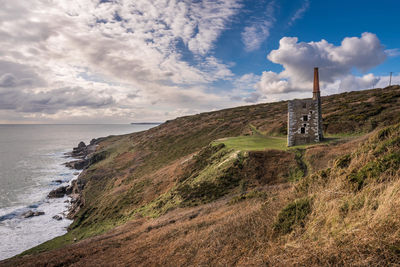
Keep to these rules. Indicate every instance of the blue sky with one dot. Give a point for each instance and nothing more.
(96, 61)
(327, 20)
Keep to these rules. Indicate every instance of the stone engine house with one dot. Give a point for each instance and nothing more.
(305, 118)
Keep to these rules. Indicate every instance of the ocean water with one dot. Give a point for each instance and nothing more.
(31, 159)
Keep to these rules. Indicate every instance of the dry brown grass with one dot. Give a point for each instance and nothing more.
(323, 156)
(348, 225)
(215, 234)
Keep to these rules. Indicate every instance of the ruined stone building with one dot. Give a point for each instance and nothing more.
(305, 118)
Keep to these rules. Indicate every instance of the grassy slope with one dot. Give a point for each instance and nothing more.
(254, 142)
(354, 208)
(160, 171)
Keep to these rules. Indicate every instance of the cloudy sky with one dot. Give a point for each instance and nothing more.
(121, 61)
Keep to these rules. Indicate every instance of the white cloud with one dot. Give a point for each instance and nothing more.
(353, 83)
(244, 88)
(131, 47)
(300, 12)
(384, 80)
(393, 52)
(253, 36)
(335, 62)
(210, 18)
(259, 30)
(272, 83)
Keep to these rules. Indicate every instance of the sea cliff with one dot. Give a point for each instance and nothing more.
(222, 188)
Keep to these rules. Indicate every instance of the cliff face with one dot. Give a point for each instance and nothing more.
(173, 195)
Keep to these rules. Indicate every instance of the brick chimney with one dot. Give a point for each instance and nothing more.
(316, 93)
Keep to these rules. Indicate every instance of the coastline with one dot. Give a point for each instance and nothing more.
(57, 208)
(27, 225)
(34, 165)
(83, 155)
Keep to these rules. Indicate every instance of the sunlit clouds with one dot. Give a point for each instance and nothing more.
(124, 60)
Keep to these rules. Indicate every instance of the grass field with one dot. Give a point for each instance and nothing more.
(260, 142)
(254, 142)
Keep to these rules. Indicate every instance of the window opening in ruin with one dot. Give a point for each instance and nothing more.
(305, 118)
(304, 105)
(303, 130)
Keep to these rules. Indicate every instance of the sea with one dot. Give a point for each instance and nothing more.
(31, 162)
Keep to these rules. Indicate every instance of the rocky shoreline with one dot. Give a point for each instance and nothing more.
(83, 155)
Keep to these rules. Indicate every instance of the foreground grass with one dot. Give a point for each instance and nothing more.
(115, 188)
(73, 236)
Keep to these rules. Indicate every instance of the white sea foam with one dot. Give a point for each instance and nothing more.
(31, 158)
(18, 233)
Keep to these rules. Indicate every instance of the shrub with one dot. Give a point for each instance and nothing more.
(97, 157)
(295, 213)
(207, 191)
(373, 169)
(343, 161)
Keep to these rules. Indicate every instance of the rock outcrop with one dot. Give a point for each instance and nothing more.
(31, 213)
(58, 192)
(82, 153)
(77, 164)
(77, 200)
(85, 156)
(57, 217)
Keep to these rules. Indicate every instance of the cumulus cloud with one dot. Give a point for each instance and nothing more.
(335, 62)
(259, 30)
(271, 82)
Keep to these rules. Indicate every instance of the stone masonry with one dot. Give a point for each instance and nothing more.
(305, 118)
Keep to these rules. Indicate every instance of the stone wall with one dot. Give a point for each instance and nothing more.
(304, 123)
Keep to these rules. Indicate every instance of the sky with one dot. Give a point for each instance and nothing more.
(122, 61)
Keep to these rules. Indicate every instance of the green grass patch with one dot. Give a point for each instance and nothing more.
(295, 213)
(256, 131)
(301, 169)
(254, 142)
(258, 142)
(213, 174)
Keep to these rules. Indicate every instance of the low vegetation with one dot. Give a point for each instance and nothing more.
(293, 214)
(222, 188)
(254, 142)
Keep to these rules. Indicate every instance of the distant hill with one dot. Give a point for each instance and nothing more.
(145, 123)
(221, 188)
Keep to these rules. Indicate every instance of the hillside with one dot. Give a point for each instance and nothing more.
(221, 188)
